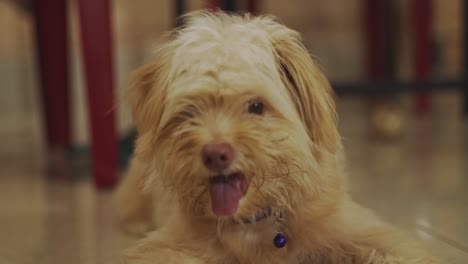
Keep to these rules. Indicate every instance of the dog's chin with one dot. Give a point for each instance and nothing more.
(226, 190)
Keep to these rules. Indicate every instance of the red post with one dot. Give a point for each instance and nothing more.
(214, 4)
(52, 43)
(421, 18)
(252, 6)
(375, 39)
(95, 21)
(375, 43)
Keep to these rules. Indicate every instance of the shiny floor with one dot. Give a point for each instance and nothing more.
(54, 215)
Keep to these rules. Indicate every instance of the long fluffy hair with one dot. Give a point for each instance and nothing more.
(279, 159)
(196, 90)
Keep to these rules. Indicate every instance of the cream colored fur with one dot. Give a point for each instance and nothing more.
(195, 91)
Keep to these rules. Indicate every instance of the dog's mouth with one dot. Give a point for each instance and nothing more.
(226, 192)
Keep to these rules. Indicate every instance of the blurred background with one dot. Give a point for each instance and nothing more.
(398, 68)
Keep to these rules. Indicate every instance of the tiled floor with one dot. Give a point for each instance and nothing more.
(419, 182)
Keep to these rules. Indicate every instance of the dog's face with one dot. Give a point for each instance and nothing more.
(234, 117)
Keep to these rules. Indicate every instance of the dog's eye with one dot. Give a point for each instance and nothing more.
(256, 108)
(186, 114)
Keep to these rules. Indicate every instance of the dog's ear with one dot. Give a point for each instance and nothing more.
(147, 93)
(308, 87)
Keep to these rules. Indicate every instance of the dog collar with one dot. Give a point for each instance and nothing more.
(280, 239)
(255, 218)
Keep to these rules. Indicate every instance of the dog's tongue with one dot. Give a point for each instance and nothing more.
(225, 196)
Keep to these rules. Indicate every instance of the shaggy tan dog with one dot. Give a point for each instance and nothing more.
(237, 156)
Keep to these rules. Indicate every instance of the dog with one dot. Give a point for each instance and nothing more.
(238, 158)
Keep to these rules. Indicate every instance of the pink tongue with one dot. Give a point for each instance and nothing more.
(225, 197)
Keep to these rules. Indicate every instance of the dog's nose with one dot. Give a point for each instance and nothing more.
(217, 156)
